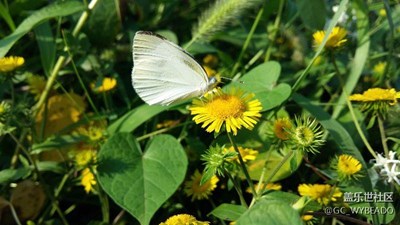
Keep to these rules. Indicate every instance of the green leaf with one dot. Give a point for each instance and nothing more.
(291, 198)
(52, 166)
(270, 160)
(262, 81)
(140, 182)
(56, 142)
(10, 175)
(48, 12)
(228, 211)
(47, 46)
(271, 212)
(134, 118)
(312, 13)
(5, 14)
(102, 18)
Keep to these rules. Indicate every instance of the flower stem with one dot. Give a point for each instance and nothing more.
(274, 31)
(238, 190)
(273, 173)
(359, 130)
(243, 166)
(383, 136)
(60, 61)
(247, 41)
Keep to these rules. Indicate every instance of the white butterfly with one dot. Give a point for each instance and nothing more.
(164, 73)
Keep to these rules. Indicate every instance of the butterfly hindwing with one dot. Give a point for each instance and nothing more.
(163, 72)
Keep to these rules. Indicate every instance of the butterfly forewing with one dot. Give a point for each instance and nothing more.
(163, 73)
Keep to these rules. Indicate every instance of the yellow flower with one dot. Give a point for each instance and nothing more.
(183, 219)
(269, 186)
(281, 127)
(336, 38)
(197, 191)
(8, 64)
(107, 84)
(347, 166)
(94, 130)
(62, 111)
(210, 60)
(210, 72)
(377, 95)
(37, 85)
(234, 108)
(88, 180)
(379, 69)
(307, 217)
(382, 12)
(85, 157)
(246, 153)
(322, 193)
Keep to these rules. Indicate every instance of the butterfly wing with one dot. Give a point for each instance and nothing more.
(163, 72)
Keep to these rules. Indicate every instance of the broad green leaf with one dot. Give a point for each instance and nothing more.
(290, 199)
(262, 81)
(48, 12)
(134, 118)
(271, 212)
(47, 46)
(10, 175)
(140, 182)
(360, 57)
(312, 13)
(270, 160)
(228, 211)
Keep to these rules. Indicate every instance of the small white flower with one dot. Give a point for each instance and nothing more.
(388, 167)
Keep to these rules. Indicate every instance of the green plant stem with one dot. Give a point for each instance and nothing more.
(60, 187)
(14, 158)
(351, 110)
(80, 79)
(359, 130)
(275, 30)
(276, 169)
(105, 208)
(260, 184)
(243, 166)
(61, 60)
(383, 136)
(247, 41)
(42, 181)
(14, 214)
(238, 190)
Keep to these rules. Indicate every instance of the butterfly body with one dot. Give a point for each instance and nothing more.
(163, 73)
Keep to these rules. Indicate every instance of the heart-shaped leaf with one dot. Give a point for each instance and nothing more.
(272, 212)
(140, 182)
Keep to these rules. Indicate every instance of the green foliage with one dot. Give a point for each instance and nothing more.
(141, 181)
(54, 10)
(92, 152)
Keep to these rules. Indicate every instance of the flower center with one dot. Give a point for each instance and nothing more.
(226, 106)
(305, 135)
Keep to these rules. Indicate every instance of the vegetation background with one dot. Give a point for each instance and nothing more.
(78, 146)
